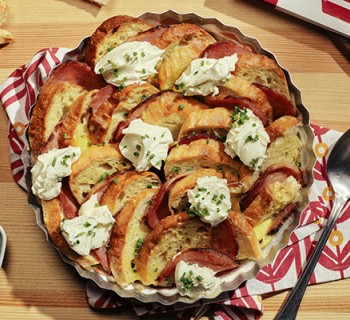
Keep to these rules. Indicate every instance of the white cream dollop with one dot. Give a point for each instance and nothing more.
(204, 74)
(192, 280)
(210, 199)
(50, 168)
(145, 145)
(247, 139)
(91, 229)
(130, 62)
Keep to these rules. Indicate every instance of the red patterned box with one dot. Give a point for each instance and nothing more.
(333, 15)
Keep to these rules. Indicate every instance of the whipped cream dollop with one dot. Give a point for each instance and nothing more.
(91, 229)
(145, 145)
(203, 75)
(247, 138)
(210, 199)
(130, 62)
(50, 168)
(192, 280)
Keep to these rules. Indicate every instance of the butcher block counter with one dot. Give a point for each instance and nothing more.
(34, 282)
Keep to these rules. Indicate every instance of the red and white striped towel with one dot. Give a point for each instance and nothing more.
(17, 95)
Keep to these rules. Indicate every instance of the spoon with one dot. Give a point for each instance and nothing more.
(338, 171)
(2, 244)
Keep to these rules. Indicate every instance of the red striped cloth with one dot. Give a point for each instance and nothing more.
(18, 93)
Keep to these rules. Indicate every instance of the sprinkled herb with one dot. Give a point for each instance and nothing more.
(136, 154)
(103, 176)
(149, 185)
(187, 280)
(64, 136)
(181, 106)
(250, 138)
(80, 234)
(87, 224)
(175, 170)
(54, 161)
(169, 281)
(138, 147)
(139, 244)
(253, 162)
(115, 181)
(143, 97)
(116, 72)
(101, 70)
(143, 54)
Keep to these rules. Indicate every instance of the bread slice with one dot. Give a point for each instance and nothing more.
(285, 141)
(127, 237)
(274, 197)
(167, 109)
(216, 120)
(248, 244)
(53, 104)
(111, 33)
(179, 55)
(257, 68)
(53, 215)
(126, 187)
(240, 87)
(94, 165)
(125, 100)
(202, 153)
(74, 130)
(178, 200)
(172, 235)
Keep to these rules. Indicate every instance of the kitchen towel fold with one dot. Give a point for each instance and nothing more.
(18, 93)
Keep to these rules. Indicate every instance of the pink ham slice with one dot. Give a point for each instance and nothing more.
(69, 204)
(101, 255)
(77, 72)
(272, 174)
(281, 106)
(204, 257)
(223, 49)
(223, 238)
(159, 207)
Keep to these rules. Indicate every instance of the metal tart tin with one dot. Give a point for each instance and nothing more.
(247, 269)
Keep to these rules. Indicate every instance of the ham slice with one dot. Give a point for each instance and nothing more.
(281, 106)
(101, 255)
(223, 238)
(204, 257)
(69, 204)
(223, 49)
(77, 72)
(159, 207)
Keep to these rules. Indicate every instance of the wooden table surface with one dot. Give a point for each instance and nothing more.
(34, 282)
